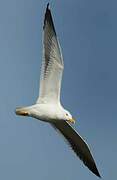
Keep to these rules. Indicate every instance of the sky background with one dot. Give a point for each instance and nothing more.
(87, 30)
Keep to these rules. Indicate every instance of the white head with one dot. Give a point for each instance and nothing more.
(66, 115)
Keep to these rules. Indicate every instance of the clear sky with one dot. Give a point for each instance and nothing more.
(87, 30)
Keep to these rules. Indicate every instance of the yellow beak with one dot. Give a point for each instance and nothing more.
(71, 121)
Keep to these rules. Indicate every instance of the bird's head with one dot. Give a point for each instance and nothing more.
(68, 117)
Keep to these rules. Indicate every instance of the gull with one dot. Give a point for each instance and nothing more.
(48, 107)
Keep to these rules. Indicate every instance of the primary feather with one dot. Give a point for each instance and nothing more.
(78, 145)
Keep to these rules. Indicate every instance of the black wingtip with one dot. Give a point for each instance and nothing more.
(48, 18)
(98, 175)
(48, 6)
(47, 14)
(96, 172)
(47, 9)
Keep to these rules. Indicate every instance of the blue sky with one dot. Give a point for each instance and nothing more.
(87, 31)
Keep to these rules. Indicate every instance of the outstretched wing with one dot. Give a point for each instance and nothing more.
(77, 144)
(52, 65)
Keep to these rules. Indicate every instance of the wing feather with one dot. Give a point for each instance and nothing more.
(52, 65)
(78, 145)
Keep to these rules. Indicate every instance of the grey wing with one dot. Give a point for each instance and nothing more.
(78, 145)
(52, 65)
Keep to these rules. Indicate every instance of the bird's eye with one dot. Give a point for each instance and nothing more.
(66, 114)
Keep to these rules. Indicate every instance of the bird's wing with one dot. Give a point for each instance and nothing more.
(77, 144)
(52, 65)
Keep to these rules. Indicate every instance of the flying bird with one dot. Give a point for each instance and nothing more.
(48, 107)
